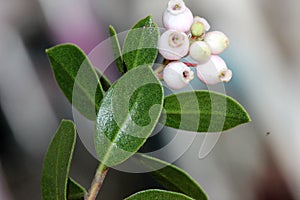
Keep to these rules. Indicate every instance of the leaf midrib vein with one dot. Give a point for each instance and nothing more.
(56, 168)
(117, 133)
(204, 113)
(138, 49)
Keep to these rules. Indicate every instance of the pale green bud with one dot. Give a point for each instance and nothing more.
(197, 29)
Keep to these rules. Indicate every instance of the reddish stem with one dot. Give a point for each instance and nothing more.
(190, 64)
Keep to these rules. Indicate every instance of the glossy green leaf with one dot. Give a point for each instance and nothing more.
(74, 190)
(140, 46)
(171, 177)
(57, 162)
(105, 82)
(155, 194)
(127, 116)
(77, 78)
(203, 111)
(116, 50)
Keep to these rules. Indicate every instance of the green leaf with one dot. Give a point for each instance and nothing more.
(116, 50)
(172, 178)
(154, 194)
(77, 78)
(57, 162)
(140, 46)
(127, 116)
(203, 111)
(105, 82)
(74, 190)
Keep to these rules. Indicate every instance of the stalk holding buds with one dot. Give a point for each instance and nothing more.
(177, 75)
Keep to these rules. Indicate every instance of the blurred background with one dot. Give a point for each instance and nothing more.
(256, 161)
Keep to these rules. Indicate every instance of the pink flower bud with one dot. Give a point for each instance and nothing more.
(214, 71)
(200, 52)
(177, 16)
(177, 75)
(203, 21)
(173, 45)
(217, 41)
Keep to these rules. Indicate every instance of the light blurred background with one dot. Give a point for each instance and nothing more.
(257, 161)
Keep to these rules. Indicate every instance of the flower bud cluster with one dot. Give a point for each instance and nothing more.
(188, 38)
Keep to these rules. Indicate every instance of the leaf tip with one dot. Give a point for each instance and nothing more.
(248, 117)
(112, 30)
(111, 27)
(49, 50)
(149, 16)
(246, 114)
(67, 121)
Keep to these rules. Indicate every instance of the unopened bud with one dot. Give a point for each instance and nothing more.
(173, 45)
(214, 71)
(202, 21)
(197, 29)
(176, 7)
(177, 16)
(200, 52)
(177, 75)
(217, 41)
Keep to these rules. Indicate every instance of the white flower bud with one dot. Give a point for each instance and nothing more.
(177, 75)
(214, 71)
(200, 52)
(177, 16)
(173, 45)
(217, 41)
(203, 21)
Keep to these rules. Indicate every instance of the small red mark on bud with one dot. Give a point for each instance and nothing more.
(190, 64)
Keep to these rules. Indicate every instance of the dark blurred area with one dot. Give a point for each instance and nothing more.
(257, 161)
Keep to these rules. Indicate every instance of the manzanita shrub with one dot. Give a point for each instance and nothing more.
(126, 112)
